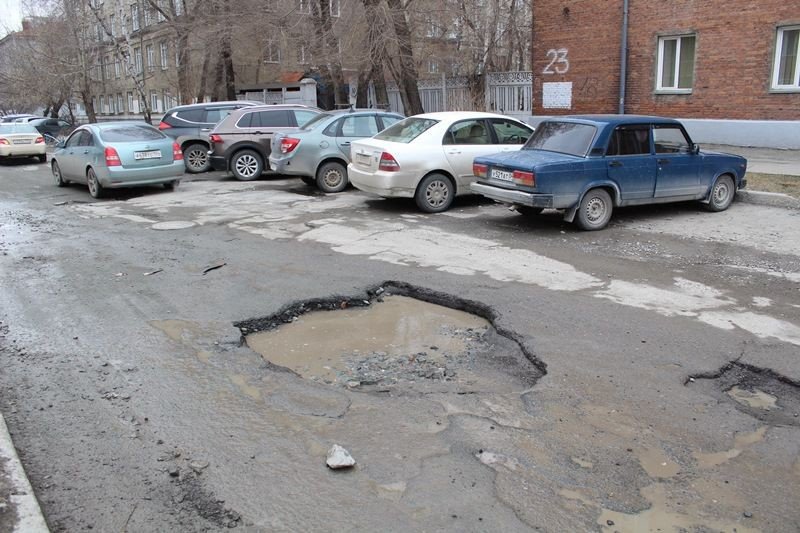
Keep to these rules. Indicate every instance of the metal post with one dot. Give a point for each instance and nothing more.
(623, 60)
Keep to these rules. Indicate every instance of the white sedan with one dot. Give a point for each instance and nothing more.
(21, 140)
(429, 157)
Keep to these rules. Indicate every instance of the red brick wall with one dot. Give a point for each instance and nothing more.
(733, 61)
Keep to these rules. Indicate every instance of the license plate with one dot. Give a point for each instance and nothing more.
(504, 175)
(22, 141)
(363, 159)
(152, 154)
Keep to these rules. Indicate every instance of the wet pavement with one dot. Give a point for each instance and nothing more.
(638, 378)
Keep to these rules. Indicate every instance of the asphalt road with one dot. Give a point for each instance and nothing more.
(650, 376)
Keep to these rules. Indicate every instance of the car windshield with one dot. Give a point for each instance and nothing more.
(406, 130)
(131, 133)
(314, 122)
(562, 137)
(17, 127)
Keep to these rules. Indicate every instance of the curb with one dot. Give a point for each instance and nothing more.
(771, 199)
(20, 498)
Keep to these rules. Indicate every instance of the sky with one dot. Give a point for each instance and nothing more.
(10, 16)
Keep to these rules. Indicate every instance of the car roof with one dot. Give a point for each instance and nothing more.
(615, 119)
(456, 115)
(262, 106)
(204, 105)
(114, 123)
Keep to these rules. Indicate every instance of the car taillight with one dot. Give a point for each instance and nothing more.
(39, 140)
(479, 170)
(4, 141)
(524, 178)
(288, 144)
(163, 125)
(112, 157)
(177, 153)
(214, 138)
(388, 163)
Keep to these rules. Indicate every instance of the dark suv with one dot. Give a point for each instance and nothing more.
(241, 142)
(190, 124)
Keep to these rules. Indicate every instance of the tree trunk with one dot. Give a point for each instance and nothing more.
(227, 61)
(201, 91)
(406, 72)
(362, 91)
(184, 83)
(377, 53)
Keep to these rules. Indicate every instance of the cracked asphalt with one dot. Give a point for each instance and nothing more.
(135, 405)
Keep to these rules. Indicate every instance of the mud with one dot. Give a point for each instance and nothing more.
(760, 393)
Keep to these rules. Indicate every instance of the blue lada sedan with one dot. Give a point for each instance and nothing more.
(587, 165)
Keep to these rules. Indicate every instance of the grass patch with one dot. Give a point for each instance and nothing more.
(773, 183)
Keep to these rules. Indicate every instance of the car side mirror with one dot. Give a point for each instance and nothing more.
(695, 149)
(61, 144)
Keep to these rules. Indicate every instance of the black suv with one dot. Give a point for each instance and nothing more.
(190, 125)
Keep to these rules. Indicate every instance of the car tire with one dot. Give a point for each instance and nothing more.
(95, 189)
(595, 210)
(721, 195)
(308, 180)
(42, 158)
(435, 193)
(195, 158)
(247, 165)
(332, 177)
(172, 185)
(528, 211)
(57, 177)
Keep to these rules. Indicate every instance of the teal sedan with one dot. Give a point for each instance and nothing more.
(112, 155)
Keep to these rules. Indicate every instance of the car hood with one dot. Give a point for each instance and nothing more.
(526, 159)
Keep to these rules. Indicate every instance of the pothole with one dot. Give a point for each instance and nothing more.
(756, 391)
(170, 225)
(396, 338)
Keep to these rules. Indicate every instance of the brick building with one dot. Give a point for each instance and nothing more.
(730, 68)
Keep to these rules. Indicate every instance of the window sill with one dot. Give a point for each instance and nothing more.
(673, 91)
(784, 90)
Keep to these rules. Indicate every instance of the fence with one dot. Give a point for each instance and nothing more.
(509, 93)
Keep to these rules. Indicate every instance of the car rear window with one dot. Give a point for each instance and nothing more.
(562, 137)
(314, 122)
(213, 116)
(192, 115)
(131, 133)
(406, 130)
(18, 127)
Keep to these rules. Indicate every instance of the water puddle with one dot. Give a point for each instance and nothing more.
(656, 463)
(397, 339)
(740, 443)
(755, 398)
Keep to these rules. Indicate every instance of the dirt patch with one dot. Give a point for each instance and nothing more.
(774, 183)
(758, 392)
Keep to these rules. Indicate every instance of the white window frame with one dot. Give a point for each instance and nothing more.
(120, 104)
(154, 101)
(178, 7)
(776, 62)
(304, 7)
(433, 66)
(137, 60)
(102, 104)
(660, 88)
(164, 56)
(116, 68)
(130, 102)
(112, 27)
(272, 52)
(335, 8)
(301, 56)
(150, 52)
(134, 17)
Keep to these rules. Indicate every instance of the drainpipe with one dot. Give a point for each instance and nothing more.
(623, 60)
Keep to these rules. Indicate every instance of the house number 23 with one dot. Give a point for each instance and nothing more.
(558, 61)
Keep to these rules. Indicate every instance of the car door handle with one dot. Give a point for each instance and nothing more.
(615, 164)
(85, 152)
(206, 129)
(345, 144)
(663, 161)
(454, 152)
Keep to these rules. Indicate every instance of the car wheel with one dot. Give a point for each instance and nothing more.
(42, 158)
(246, 165)
(195, 157)
(172, 185)
(435, 193)
(308, 180)
(57, 177)
(595, 210)
(95, 189)
(528, 211)
(722, 193)
(332, 177)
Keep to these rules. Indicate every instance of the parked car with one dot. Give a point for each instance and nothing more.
(21, 140)
(190, 125)
(241, 142)
(12, 118)
(110, 155)
(587, 165)
(52, 126)
(429, 157)
(320, 151)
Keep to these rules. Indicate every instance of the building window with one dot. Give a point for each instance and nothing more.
(154, 101)
(148, 16)
(786, 73)
(134, 17)
(120, 106)
(178, 7)
(108, 68)
(111, 26)
(151, 57)
(304, 7)
(102, 105)
(130, 102)
(272, 53)
(675, 64)
(160, 11)
(433, 66)
(137, 60)
(334, 8)
(116, 69)
(164, 56)
(302, 55)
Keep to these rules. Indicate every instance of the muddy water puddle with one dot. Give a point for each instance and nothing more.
(399, 339)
